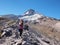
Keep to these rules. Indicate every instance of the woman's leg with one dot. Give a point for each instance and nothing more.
(21, 31)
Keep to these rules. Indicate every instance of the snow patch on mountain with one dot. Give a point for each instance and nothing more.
(32, 17)
(30, 12)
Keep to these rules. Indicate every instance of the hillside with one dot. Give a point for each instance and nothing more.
(49, 28)
(43, 30)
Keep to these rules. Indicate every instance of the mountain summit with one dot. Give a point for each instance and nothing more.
(30, 12)
(31, 15)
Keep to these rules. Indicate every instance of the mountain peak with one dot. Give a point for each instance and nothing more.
(30, 12)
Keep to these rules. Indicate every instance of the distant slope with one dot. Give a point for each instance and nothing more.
(10, 16)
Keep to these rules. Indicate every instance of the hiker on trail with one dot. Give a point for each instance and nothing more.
(21, 26)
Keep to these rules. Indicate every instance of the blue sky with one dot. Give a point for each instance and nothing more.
(49, 8)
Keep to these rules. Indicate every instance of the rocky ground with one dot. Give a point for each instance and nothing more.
(29, 37)
(36, 35)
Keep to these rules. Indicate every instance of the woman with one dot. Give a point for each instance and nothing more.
(21, 26)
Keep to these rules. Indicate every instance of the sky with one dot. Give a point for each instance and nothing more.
(50, 8)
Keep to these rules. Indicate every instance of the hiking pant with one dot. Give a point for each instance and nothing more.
(21, 31)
